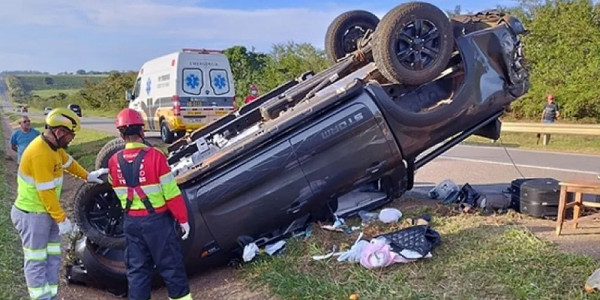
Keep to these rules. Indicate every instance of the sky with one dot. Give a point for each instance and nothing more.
(102, 35)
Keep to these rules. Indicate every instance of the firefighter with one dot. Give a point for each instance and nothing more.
(36, 214)
(142, 180)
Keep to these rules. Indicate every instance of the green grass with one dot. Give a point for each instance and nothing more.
(59, 82)
(479, 258)
(50, 93)
(12, 281)
(558, 142)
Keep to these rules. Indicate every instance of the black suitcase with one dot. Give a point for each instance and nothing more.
(515, 192)
(539, 197)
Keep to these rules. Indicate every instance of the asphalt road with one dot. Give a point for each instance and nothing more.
(490, 169)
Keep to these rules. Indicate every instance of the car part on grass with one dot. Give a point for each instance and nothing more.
(340, 141)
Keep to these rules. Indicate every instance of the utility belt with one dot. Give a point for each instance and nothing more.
(145, 212)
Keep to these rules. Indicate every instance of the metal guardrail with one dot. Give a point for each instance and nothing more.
(553, 128)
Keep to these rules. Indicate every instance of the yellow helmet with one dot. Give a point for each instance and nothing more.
(63, 117)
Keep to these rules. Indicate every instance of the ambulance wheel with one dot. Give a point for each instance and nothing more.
(99, 215)
(413, 43)
(166, 135)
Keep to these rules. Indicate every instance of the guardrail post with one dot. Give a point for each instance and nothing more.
(545, 139)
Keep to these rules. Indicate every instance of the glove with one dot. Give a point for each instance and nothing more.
(94, 176)
(185, 227)
(65, 227)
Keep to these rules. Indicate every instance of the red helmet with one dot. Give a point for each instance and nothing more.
(550, 97)
(253, 87)
(128, 117)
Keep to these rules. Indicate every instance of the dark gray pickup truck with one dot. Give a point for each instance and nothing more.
(402, 90)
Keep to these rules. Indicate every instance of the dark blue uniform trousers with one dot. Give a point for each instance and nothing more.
(152, 240)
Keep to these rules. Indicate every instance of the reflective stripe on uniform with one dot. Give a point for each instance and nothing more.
(40, 292)
(57, 182)
(53, 289)
(186, 297)
(68, 163)
(26, 178)
(149, 189)
(120, 191)
(45, 185)
(166, 178)
(53, 248)
(35, 254)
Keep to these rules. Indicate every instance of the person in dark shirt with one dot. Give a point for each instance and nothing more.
(550, 112)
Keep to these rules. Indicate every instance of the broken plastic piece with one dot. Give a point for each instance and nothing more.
(272, 248)
(389, 215)
(367, 217)
(250, 251)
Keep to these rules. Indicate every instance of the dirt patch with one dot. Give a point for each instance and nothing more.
(221, 283)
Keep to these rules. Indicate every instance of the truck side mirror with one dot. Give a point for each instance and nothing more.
(128, 95)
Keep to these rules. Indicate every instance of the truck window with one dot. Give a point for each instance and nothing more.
(219, 81)
(136, 89)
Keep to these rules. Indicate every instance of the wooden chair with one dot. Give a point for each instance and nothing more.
(578, 187)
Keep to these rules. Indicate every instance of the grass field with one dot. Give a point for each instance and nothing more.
(560, 143)
(50, 93)
(59, 82)
(479, 258)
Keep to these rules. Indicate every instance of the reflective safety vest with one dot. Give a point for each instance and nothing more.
(40, 178)
(143, 182)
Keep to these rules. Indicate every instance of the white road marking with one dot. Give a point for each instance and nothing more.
(519, 165)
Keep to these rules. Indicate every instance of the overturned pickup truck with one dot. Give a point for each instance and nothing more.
(402, 90)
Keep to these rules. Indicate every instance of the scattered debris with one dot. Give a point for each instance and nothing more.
(273, 248)
(390, 215)
(340, 225)
(444, 190)
(367, 217)
(592, 284)
(328, 255)
(250, 252)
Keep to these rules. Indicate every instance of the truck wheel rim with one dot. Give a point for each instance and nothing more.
(351, 38)
(419, 44)
(106, 215)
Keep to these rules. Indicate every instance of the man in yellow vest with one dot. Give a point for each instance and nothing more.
(36, 213)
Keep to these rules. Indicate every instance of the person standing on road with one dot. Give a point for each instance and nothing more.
(550, 112)
(21, 137)
(37, 214)
(253, 94)
(142, 180)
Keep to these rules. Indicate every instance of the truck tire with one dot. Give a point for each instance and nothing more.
(107, 272)
(107, 151)
(346, 30)
(413, 43)
(166, 135)
(99, 215)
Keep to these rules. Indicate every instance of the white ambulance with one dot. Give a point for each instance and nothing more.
(183, 91)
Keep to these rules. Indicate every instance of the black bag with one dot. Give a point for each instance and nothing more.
(515, 191)
(539, 197)
(420, 238)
